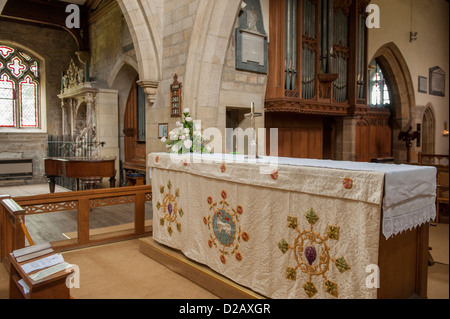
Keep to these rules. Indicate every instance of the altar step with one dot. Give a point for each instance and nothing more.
(199, 274)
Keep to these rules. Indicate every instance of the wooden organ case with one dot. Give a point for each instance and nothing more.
(317, 84)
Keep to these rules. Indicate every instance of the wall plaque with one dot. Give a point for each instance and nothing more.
(251, 39)
(437, 81)
(423, 84)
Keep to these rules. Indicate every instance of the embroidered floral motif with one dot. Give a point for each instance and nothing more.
(333, 232)
(284, 246)
(310, 289)
(291, 273)
(312, 217)
(292, 222)
(225, 230)
(342, 265)
(223, 168)
(312, 254)
(348, 183)
(331, 288)
(168, 207)
(274, 175)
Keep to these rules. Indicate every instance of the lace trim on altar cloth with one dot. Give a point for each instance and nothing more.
(408, 221)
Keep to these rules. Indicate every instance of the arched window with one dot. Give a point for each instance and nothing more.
(379, 95)
(19, 89)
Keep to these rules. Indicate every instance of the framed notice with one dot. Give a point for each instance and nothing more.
(163, 130)
(423, 84)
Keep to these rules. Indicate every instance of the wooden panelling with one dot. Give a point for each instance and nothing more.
(135, 151)
(403, 263)
(275, 84)
(373, 139)
(298, 136)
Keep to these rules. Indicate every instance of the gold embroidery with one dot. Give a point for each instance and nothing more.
(312, 254)
(168, 206)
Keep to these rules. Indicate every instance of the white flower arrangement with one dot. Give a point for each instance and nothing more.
(186, 137)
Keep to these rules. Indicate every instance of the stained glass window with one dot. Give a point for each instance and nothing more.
(379, 95)
(7, 103)
(28, 102)
(19, 88)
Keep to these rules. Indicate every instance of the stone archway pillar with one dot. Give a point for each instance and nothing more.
(150, 89)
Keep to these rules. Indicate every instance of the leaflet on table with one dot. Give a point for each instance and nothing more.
(34, 255)
(43, 263)
(31, 250)
(49, 271)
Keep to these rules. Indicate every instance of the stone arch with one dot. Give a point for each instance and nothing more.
(123, 76)
(212, 31)
(143, 19)
(396, 72)
(125, 61)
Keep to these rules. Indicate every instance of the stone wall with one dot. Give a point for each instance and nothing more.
(25, 146)
(177, 29)
(198, 46)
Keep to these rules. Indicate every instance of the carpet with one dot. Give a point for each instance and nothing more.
(120, 271)
(439, 242)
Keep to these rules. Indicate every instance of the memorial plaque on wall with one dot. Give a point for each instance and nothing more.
(251, 39)
(437, 81)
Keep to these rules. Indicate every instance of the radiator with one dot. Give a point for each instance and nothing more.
(16, 168)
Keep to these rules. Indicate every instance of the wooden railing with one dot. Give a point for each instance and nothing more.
(434, 159)
(13, 213)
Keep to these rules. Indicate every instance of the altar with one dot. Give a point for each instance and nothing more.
(298, 228)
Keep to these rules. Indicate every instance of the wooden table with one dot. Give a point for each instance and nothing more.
(51, 287)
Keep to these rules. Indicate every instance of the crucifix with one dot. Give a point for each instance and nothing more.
(253, 151)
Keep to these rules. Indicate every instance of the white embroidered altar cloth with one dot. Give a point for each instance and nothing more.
(302, 229)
